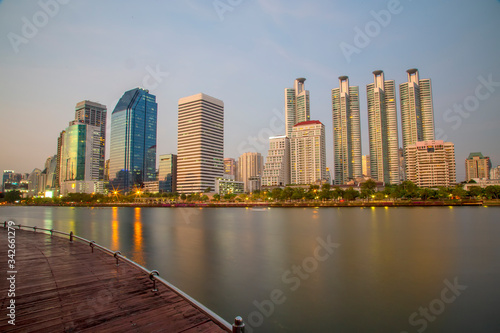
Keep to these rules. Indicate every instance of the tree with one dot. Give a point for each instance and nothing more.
(298, 193)
(351, 194)
(427, 193)
(492, 192)
(338, 193)
(207, 190)
(287, 193)
(216, 197)
(12, 196)
(459, 191)
(276, 193)
(476, 191)
(183, 197)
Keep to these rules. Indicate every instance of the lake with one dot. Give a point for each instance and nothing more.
(404, 269)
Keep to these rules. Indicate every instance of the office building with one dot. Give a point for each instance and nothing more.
(133, 140)
(94, 114)
(308, 153)
(167, 174)
(34, 183)
(297, 107)
(277, 166)
(365, 165)
(230, 167)
(250, 165)
(417, 114)
(200, 143)
(6, 177)
(477, 166)
(225, 186)
(495, 172)
(431, 163)
(346, 132)
(383, 129)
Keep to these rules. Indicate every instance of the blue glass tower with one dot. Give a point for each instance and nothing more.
(133, 140)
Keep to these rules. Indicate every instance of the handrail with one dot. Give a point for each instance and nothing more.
(237, 327)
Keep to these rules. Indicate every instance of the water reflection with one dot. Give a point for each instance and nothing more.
(115, 234)
(48, 222)
(138, 252)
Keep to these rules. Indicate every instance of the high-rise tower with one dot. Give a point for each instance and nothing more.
(133, 140)
(296, 105)
(200, 143)
(346, 132)
(383, 129)
(94, 114)
(417, 114)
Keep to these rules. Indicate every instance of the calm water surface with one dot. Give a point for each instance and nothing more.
(388, 270)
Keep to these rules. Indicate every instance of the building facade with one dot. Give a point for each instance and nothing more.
(250, 165)
(167, 173)
(308, 153)
(94, 114)
(417, 113)
(495, 172)
(230, 167)
(346, 132)
(431, 163)
(225, 186)
(200, 143)
(383, 129)
(133, 140)
(477, 166)
(277, 166)
(297, 106)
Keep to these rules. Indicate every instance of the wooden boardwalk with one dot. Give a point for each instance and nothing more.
(64, 287)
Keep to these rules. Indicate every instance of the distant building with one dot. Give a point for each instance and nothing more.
(308, 153)
(365, 165)
(94, 114)
(151, 187)
(250, 165)
(477, 166)
(277, 166)
(402, 164)
(133, 140)
(431, 163)
(167, 174)
(417, 113)
(482, 182)
(346, 132)
(495, 173)
(230, 167)
(6, 177)
(200, 143)
(383, 129)
(225, 186)
(328, 176)
(106, 170)
(34, 183)
(297, 106)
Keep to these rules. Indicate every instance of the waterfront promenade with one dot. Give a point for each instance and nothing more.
(62, 286)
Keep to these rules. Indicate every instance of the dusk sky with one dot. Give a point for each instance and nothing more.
(244, 53)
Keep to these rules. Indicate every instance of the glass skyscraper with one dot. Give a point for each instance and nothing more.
(133, 140)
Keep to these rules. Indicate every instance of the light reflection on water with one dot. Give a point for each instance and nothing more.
(390, 262)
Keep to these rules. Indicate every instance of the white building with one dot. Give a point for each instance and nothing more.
(346, 132)
(308, 153)
(431, 163)
(277, 166)
(250, 165)
(297, 106)
(383, 129)
(200, 143)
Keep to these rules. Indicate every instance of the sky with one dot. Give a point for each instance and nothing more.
(55, 53)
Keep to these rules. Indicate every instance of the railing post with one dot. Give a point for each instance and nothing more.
(92, 243)
(238, 326)
(4, 224)
(152, 278)
(34, 228)
(116, 256)
(51, 231)
(19, 226)
(71, 236)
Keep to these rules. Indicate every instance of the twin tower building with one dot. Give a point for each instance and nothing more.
(299, 156)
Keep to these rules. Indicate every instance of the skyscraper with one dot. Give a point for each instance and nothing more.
(93, 113)
(308, 153)
(133, 140)
(417, 115)
(250, 170)
(297, 107)
(277, 166)
(167, 173)
(383, 129)
(431, 163)
(346, 132)
(230, 168)
(477, 166)
(200, 143)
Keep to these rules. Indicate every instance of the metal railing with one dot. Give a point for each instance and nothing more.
(154, 275)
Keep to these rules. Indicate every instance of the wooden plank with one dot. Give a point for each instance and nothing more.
(62, 286)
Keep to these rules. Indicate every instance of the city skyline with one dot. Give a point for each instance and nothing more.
(460, 60)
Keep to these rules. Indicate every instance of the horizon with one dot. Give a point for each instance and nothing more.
(73, 54)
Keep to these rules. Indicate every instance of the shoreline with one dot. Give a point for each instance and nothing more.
(405, 203)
